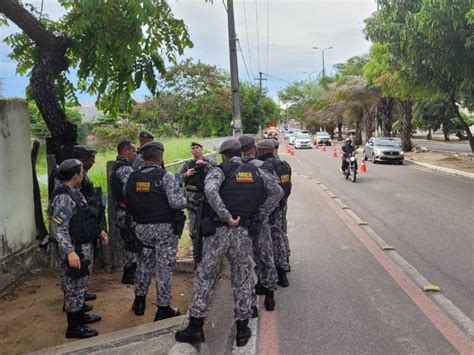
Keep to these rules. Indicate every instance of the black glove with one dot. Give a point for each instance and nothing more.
(76, 274)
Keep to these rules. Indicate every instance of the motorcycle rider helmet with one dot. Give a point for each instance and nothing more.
(348, 140)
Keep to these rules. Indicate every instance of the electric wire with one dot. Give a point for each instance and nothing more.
(243, 59)
(248, 41)
(258, 36)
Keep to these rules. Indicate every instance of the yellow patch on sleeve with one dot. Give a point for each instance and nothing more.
(285, 179)
(244, 177)
(142, 186)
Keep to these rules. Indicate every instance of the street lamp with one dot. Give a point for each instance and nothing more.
(322, 51)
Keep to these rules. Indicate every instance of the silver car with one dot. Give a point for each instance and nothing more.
(383, 150)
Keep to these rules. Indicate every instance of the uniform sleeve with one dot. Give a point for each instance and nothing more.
(63, 209)
(182, 170)
(214, 179)
(175, 196)
(274, 193)
(123, 173)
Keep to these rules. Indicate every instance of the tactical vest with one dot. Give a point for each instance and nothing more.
(195, 183)
(116, 185)
(83, 226)
(146, 199)
(282, 170)
(243, 190)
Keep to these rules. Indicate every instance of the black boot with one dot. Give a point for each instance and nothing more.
(166, 312)
(269, 300)
(243, 332)
(75, 329)
(90, 297)
(90, 318)
(259, 289)
(128, 277)
(254, 312)
(282, 279)
(85, 308)
(193, 333)
(139, 305)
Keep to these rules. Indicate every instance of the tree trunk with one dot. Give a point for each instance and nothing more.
(42, 232)
(49, 65)
(405, 124)
(446, 132)
(429, 137)
(339, 131)
(386, 105)
(368, 121)
(463, 123)
(358, 127)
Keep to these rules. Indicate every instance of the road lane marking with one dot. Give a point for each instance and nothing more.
(438, 318)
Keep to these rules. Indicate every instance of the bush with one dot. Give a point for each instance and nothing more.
(108, 136)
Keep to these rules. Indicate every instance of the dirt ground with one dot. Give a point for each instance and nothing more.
(32, 317)
(448, 160)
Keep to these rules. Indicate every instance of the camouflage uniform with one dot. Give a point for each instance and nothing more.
(193, 198)
(161, 245)
(123, 173)
(138, 163)
(74, 290)
(233, 242)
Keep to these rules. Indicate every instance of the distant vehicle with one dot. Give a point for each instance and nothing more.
(292, 137)
(383, 149)
(303, 140)
(322, 138)
(288, 133)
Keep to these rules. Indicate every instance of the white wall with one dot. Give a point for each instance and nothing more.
(17, 221)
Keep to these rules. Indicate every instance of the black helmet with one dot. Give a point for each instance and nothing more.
(348, 140)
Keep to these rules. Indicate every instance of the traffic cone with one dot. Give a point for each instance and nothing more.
(363, 168)
(334, 153)
(292, 151)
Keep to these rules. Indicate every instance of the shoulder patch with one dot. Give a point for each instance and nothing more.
(285, 179)
(61, 216)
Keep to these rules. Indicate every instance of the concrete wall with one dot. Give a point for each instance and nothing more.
(17, 221)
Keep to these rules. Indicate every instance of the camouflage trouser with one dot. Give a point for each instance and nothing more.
(263, 257)
(161, 259)
(280, 252)
(284, 228)
(237, 246)
(129, 258)
(75, 289)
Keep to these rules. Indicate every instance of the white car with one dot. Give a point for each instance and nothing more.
(322, 138)
(303, 140)
(291, 138)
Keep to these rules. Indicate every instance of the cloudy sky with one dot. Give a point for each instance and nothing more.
(287, 32)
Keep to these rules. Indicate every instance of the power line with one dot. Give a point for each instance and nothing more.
(268, 33)
(247, 33)
(243, 58)
(258, 35)
(274, 77)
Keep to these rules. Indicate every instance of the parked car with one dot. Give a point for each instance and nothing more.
(383, 149)
(322, 138)
(303, 140)
(288, 133)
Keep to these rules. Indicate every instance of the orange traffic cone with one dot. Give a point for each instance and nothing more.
(292, 151)
(324, 147)
(334, 153)
(363, 168)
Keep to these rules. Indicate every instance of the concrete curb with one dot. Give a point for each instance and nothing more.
(443, 170)
(184, 265)
(118, 338)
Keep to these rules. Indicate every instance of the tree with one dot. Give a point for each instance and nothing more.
(431, 46)
(114, 45)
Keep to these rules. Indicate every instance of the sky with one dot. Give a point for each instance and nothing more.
(279, 44)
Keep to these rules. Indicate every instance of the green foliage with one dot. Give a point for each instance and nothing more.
(116, 47)
(107, 136)
(39, 129)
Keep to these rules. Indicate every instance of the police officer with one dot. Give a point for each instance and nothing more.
(75, 227)
(279, 168)
(120, 173)
(237, 192)
(262, 244)
(143, 137)
(153, 198)
(93, 196)
(192, 174)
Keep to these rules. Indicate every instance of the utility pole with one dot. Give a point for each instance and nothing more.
(1, 88)
(322, 52)
(234, 71)
(260, 121)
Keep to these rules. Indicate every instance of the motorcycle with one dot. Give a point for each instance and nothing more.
(351, 170)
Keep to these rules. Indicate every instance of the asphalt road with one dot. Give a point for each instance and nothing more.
(444, 147)
(340, 300)
(428, 217)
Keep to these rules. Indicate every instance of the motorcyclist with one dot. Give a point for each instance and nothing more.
(347, 150)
